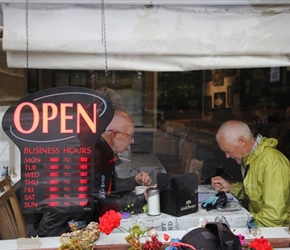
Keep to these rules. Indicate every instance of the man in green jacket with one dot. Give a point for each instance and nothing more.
(266, 171)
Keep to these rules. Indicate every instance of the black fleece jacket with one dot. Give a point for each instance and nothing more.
(109, 192)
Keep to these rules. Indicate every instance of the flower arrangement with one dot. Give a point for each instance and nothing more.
(135, 235)
(257, 244)
(82, 239)
(111, 220)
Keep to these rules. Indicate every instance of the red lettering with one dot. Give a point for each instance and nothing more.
(53, 174)
(30, 204)
(32, 160)
(54, 167)
(83, 181)
(84, 174)
(29, 197)
(29, 167)
(84, 159)
(66, 203)
(83, 196)
(84, 167)
(83, 203)
(52, 159)
(31, 182)
(28, 189)
(83, 189)
(53, 196)
(53, 204)
(32, 175)
(53, 189)
(54, 182)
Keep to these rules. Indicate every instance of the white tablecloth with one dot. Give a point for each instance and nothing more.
(118, 238)
(165, 222)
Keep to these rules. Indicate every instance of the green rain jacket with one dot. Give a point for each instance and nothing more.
(266, 185)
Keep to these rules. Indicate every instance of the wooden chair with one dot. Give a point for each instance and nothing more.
(11, 218)
(187, 147)
(196, 166)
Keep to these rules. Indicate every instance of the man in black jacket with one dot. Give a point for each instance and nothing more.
(117, 137)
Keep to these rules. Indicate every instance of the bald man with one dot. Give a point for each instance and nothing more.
(266, 173)
(109, 191)
(116, 139)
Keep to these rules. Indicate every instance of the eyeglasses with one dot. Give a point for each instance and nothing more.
(129, 136)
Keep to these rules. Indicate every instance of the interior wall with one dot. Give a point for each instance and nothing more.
(212, 90)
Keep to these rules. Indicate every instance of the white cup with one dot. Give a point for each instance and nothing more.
(140, 189)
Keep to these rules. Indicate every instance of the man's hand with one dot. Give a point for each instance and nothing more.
(220, 184)
(143, 179)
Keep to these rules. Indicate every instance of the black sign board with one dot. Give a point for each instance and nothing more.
(55, 130)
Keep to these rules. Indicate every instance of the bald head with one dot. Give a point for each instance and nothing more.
(119, 133)
(235, 139)
(232, 130)
(120, 120)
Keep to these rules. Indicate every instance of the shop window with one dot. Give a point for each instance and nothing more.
(70, 78)
(134, 90)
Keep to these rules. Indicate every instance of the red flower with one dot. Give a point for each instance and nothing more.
(260, 244)
(110, 220)
(166, 237)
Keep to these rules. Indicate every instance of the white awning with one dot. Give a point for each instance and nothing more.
(150, 38)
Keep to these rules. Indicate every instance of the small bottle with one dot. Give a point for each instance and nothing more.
(153, 202)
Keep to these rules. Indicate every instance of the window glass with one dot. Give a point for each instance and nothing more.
(169, 107)
(176, 114)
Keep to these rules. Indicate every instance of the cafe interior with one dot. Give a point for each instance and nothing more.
(178, 68)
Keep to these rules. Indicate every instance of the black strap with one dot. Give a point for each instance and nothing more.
(226, 238)
(223, 229)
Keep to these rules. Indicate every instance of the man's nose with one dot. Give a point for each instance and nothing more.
(132, 140)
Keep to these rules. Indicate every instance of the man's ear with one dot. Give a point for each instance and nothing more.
(112, 134)
(242, 141)
(109, 134)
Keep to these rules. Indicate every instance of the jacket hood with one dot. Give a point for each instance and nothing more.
(264, 143)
